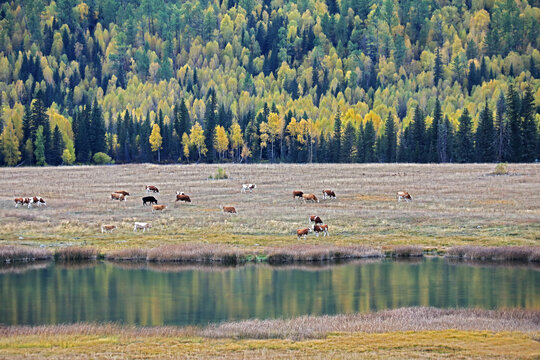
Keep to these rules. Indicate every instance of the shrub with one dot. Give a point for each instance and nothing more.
(501, 169)
(101, 158)
(221, 174)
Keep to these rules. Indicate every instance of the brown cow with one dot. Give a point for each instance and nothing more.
(125, 193)
(297, 194)
(315, 219)
(403, 195)
(321, 229)
(302, 232)
(151, 188)
(180, 196)
(328, 194)
(310, 197)
(107, 228)
(158, 208)
(21, 201)
(38, 200)
(119, 197)
(229, 210)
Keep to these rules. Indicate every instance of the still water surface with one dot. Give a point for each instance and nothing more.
(144, 295)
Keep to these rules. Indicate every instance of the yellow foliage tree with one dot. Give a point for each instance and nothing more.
(10, 145)
(196, 138)
(185, 145)
(221, 141)
(156, 140)
(237, 139)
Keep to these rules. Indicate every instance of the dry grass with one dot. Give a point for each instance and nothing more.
(453, 205)
(508, 253)
(407, 251)
(75, 253)
(225, 254)
(10, 254)
(301, 253)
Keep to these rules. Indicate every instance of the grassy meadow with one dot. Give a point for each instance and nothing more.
(452, 205)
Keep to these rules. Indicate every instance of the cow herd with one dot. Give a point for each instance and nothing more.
(317, 225)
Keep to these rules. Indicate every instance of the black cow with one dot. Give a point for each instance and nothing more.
(149, 199)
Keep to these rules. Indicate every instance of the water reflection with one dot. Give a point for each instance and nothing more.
(180, 295)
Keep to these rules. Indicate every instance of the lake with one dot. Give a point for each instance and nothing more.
(150, 295)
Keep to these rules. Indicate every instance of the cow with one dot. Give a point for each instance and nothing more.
(250, 187)
(403, 195)
(317, 229)
(315, 220)
(141, 225)
(297, 194)
(180, 196)
(125, 193)
(158, 208)
(152, 188)
(328, 194)
(229, 210)
(302, 233)
(119, 197)
(149, 199)
(310, 197)
(21, 201)
(107, 228)
(39, 201)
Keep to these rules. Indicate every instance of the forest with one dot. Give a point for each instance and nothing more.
(103, 81)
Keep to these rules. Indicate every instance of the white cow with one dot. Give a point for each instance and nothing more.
(141, 225)
(250, 187)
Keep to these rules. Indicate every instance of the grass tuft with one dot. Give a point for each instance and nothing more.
(507, 253)
(13, 253)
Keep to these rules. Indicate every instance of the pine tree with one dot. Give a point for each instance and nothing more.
(10, 145)
(514, 124)
(347, 150)
(434, 133)
(336, 141)
(58, 146)
(28, 133)
(370, 137)
(485, 136)
(360, 148)
(501, 131)
(528, 127)
(39, 145)
(210, 122)
(464, 139)
(390, 141)
(97, 129)
(419, 148)
(40, 118)
(437, 68)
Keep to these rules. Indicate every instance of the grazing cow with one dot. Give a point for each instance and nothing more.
(320, 229)
(250, 187)
(229, 210)
(39, 201)
(119, 197)
(107, 228)
(328, 194)
(180, 196)
(152, 188)
(143, 226)
(125, 193)
(315, 220)
(297, 194)
(21, 201)
(403, 195)
(158, 208)
(149, 199)
(302, 233)
(310, 197)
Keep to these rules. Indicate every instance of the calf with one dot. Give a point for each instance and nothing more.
(314, 219)
(310, 197)
(302, 233)
(158, 208)
(125, 193)
(39, 201)
(107, 228)
(119, 197)
(328, 194)
(229, 210)
(250, 187)
(403, 195)
(143, 226)
(297, 194)
(180, 196)
(152, 188)
(21, 201)
(320, 229)
(149, 199)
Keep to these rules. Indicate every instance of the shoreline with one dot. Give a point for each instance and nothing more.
(219, 254)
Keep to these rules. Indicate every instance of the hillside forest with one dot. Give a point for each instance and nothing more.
(101, 81)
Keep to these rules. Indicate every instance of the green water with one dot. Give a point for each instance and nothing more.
(171, 295)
